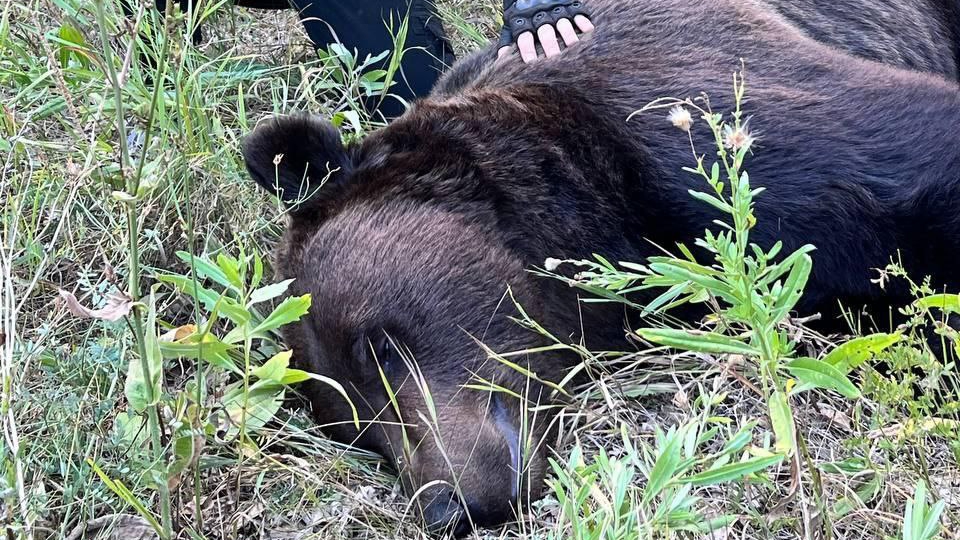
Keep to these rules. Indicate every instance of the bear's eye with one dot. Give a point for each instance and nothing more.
(383, 351)
(373, 349)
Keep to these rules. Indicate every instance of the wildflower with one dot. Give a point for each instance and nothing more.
(551, 264)
(737, 138)
(680, 118)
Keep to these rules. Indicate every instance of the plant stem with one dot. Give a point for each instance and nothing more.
(133, 284)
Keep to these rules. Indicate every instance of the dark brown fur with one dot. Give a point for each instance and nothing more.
(412, 241)
(923, 35)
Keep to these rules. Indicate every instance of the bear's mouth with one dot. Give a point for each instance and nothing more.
(511, 435)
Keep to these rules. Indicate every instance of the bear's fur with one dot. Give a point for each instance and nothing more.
(923, 35)
(411, 242)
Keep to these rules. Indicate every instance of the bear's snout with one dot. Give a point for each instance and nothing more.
(471, 474)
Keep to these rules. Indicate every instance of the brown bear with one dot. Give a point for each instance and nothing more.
(409, 240)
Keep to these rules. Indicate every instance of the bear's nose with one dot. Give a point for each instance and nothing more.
(443, 513)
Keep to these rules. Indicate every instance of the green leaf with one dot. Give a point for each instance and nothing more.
(667, 297)
(733, 471)
(792, 288)
(343, 54)
(855, 352)
(291, 309)
(772, 273)
(919, 521)
(142, 387)
(207, 269)
(185, 449)
(212, 350)
(351, 116)
(129, 426)
(275, 368)
(209, 299)
(863, 495)
(693, 340)
(701, 275)
(781, 419)
(69, 37)
(822, 375)
(707, 526)
(231, 269)
(665, 466)
(257, 271)
(269, 292)
(946, 302)
(256, 409)
(850, 466)
(711, 200)
(931, 528)
(294, 376)
(127, 496)
(739, 440)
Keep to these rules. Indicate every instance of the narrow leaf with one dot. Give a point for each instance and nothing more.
(693, 340)
(781, 419)
(822, 375)
(792, 287)
(665, 466)
(733, 471)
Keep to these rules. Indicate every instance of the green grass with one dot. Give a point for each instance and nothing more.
(110, 189)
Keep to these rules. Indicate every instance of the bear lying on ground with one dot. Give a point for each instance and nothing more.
(416, 233)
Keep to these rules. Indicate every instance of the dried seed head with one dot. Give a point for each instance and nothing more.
(738, 138)
(551, 264)
(680, 118)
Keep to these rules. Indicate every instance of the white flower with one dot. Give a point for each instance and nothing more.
(680, 118)
(551, 264)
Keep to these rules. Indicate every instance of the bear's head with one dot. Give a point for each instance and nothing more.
(410, 298)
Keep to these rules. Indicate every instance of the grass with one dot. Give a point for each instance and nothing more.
(114, 192)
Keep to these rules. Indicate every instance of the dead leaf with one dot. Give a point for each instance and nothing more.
(108, 272)
(681, 400)
(118, 306)
(912, 427)
(178, 333)
(198, 443)
(722, 533)
(835, 417)
(114, 527)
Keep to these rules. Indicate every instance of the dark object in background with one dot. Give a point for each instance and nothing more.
(362, 25)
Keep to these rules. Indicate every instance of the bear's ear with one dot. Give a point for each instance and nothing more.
(292, 156)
